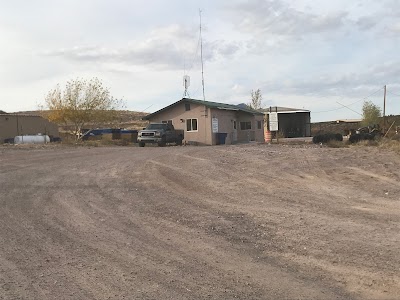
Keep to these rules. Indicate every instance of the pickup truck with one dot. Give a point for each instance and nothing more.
(161, 134)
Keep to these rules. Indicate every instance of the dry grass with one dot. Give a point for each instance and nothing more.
(366, 143)
(337, 144)
(390, 144)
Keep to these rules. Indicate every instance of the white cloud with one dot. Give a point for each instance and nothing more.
(394, 28)
(296, 52)
(366, 22)
(275, 17)
(165, 48)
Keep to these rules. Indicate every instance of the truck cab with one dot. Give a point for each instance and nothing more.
(161, 134)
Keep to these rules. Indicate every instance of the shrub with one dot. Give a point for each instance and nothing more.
(355, 138)
(326, 137)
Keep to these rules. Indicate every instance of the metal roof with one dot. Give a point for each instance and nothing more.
(281, 109)
(216, 105)
(19, 115)
(348, 121)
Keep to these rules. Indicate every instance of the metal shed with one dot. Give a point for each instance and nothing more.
(12, 125)
(292, 122)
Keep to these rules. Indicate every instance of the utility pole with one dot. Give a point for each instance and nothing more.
(384, 110)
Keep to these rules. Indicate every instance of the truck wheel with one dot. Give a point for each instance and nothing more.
(141, 144)
(163, 142)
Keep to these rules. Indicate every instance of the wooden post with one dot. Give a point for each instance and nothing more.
(389, 129)
(277, 117)
(384, 110)
(270, 110)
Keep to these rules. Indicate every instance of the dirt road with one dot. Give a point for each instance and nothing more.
(224, 222)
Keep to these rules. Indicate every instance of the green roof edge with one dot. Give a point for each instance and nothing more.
(210, 104)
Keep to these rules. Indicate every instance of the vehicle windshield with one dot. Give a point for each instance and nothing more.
(156, 126)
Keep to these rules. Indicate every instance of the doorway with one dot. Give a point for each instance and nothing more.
(234, 131)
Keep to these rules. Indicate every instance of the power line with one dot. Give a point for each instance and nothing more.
(393, 93)
(146, 108)
(324, 111)
(367, 96)
(317, 112)
(349, 108)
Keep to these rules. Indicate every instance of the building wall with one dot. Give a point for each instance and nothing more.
(259, 133)
(13, 125)
(204, 115)
(225, 124)
(226, 120)
(178, 114)
(253, 134)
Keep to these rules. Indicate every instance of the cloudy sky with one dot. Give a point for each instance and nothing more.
(320, 55)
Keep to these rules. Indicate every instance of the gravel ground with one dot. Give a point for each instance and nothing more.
(222, 222)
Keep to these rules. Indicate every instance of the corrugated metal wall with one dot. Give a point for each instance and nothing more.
(295, 124)
(12, 125)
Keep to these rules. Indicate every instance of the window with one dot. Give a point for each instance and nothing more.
(167, 122)
(191, 124)
(187, 106)
(245, 125)
(258, 124)
(234, 124)
(155, 126)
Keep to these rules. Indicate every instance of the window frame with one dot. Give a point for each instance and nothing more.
(245, 125)
(259, 124)
(191, 125)
(187, 106)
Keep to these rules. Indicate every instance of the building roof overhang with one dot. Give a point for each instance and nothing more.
(215, 105)
(284, 110)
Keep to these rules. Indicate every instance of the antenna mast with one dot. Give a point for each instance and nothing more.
(186, 84)
(201, 55)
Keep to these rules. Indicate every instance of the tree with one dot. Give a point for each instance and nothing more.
(80, 103)
(371, 113)
(256, 99)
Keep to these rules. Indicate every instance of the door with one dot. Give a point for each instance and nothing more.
(170, 133)
(234, 131)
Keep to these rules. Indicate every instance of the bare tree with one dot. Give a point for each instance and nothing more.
(256, 99)
(80, 103)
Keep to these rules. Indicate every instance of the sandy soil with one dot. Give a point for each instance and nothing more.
(224, 222)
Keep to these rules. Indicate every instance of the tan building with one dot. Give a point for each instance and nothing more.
(12, 125)
(204, 122)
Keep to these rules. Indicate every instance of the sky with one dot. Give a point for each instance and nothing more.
(321, 55)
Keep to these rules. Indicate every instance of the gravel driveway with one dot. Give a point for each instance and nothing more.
(218, 222)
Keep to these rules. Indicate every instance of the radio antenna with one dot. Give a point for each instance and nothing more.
(201, 55)
(186, 84)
